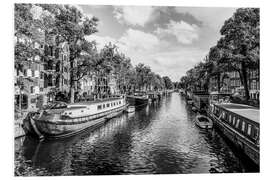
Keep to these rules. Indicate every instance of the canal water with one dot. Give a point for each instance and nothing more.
(160, 138)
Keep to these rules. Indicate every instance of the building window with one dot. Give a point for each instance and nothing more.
(32, 89)
(41, 75)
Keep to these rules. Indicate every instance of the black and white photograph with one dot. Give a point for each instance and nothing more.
(135, 89)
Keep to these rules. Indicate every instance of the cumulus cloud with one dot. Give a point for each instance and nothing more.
(132, 40)
(175, 62)
(147, 48)
(138, 40)
(184, 32)
(212, 17)
(133, 15)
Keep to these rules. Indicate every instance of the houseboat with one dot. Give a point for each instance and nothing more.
(240, 124)
(138, 99)
(63, 120)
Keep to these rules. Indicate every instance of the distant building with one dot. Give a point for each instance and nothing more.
(112, 83)
(230, 82)
(29, 84)
(63, 68)
(254, 84)
(87, 86)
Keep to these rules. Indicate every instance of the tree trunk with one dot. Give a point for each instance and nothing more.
(72, 95)
(72, 91)
(245, 80)
(218, 82)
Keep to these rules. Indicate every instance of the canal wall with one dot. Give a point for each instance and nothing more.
(18, 124)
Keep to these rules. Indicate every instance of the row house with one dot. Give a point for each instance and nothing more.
(230, 82)
(93, 86)
(87, 86)
(38, 77)
(254, 84)
(28, 77)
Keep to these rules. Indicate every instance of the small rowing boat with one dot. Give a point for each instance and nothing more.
(203, 122)
(130, 109)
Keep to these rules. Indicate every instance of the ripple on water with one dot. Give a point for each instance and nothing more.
(159, 138)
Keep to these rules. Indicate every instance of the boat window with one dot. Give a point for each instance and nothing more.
(119, 102)
(230, 118)
(243, 126)
(99, 107)
(111, 104)
(70, 113)
(237, 123)
(249, 129)
(233, 121)
(103, 105)
(223, 115)
(256, 133)
(108, 105)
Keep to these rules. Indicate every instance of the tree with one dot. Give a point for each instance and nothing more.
(142, 74)
(72, 27)
(168, 82)
(240, 43)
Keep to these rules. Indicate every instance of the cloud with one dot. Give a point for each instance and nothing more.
(133, 15)
(149, 49)
(78, 7)
(212, 17)
(175, 62)
(132, 40)
(138, 40)
(184, 32)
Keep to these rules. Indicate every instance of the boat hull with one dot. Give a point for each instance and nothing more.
(204, 125)
(240, 142)
(137, 101)
(66, 128)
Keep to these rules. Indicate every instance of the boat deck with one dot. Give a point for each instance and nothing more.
(83, 103)
(246, 111)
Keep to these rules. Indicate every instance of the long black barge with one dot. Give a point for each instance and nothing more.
(240, 124)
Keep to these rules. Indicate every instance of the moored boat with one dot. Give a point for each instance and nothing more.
(130, 109)
(194, 109)
(189, 102)
(203, 122)
(240, 124)
(138, 99)
(62, 120)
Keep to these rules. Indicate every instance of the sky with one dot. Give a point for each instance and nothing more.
(169, 39)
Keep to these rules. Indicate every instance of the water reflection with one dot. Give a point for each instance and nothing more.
(158, 138)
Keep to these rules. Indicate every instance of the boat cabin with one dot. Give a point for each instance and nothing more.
(217, 97)
(241, 118)
(90, 108)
